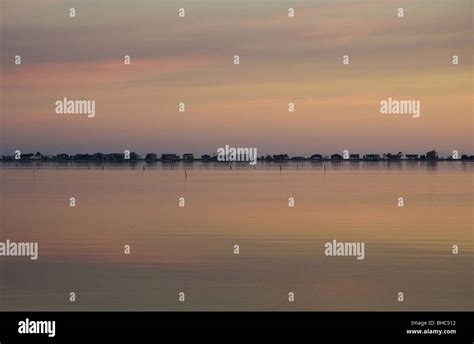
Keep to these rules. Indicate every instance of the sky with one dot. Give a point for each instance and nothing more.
(282, 60)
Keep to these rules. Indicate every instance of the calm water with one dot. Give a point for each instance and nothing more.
(190, 249)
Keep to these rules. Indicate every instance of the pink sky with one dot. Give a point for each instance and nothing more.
(190, 59)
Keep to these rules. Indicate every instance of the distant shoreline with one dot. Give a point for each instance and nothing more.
(130, 157)
(124, 162)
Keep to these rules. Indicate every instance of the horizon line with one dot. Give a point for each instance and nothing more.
(128, 155)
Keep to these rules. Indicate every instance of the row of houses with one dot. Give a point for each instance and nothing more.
(110, 157)
(151, 157)
(431, 155)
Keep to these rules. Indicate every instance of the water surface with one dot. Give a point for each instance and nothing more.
(190, 248)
